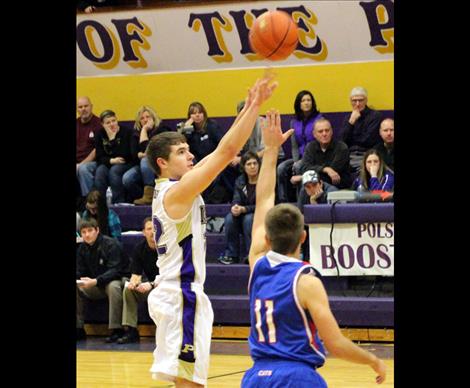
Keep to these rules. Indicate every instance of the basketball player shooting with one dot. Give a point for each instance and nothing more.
(178, 305)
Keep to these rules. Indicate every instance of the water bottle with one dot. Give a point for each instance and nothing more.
(109, 197)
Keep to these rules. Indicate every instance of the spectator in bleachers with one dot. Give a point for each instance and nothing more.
(88, 126)
(143, 272)
(147, 124)
(314, 191)
(385, 147)
(203, 135)
(240, 219)
(114, 145)
(360, 129)
(306, 114)
(328, 157)
(108, 221)
(374, 174)
(101, 266)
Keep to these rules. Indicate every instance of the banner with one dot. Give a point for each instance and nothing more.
(359, 249)
(215, 37)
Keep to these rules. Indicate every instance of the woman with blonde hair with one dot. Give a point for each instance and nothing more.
(147, 125)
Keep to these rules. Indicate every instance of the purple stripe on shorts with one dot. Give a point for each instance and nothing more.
(187, 272)
(189, 300)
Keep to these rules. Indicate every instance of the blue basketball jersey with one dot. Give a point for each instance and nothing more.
(280, 327)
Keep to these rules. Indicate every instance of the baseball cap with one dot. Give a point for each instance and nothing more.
(310, 176)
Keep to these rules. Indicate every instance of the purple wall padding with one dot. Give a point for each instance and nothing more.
(336, 119)
(349, 213)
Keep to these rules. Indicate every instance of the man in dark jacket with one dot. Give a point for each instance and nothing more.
(101, 264)
(328, 157)
(360, 130)
(143, 273)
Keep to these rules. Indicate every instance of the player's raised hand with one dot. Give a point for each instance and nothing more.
(263, 89)
(272, 132)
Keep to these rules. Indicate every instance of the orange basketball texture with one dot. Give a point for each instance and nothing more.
(274, 35)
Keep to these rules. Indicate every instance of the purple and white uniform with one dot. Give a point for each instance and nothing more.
(178, 305)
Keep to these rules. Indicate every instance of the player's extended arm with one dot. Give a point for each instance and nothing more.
(312, 296)
(179, 198)
(265, 187)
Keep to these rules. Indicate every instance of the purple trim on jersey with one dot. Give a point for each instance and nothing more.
(187, 275)
(189, 313)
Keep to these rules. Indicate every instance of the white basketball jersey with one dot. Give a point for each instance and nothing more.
(181, 244)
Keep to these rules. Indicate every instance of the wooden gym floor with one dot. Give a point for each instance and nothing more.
(101, 365)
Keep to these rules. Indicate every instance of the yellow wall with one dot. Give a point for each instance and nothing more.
(220, 91)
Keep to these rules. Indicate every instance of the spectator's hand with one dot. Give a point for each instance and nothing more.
(374, 170)
(355, 114)
(89, 9)
(117, 160)
(335, 178)
(141, 155)
(315, 193)
(236, 161)
(295, 179)
(144, 287)
(88, 282)
(236, 210)
(148, 125)
(189, 122)
(132, 286)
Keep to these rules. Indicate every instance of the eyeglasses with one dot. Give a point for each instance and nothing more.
(357, 100)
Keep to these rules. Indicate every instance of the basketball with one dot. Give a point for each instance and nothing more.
(274, 35)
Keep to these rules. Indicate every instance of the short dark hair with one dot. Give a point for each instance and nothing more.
(107, 113)
(249, 155)
(284, 225)
(159, 146)
(146, 219)
(87, 223)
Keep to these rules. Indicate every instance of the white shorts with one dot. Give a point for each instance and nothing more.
(184, 318)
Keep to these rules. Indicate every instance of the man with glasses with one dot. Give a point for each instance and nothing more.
(360, 131)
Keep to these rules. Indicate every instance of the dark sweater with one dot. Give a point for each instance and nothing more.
(144, 260)
(122, 145)
(335, 156)
(364, 134)
(202, 143)
(104, 260)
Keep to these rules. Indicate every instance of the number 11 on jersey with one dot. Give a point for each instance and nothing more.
(269, 307)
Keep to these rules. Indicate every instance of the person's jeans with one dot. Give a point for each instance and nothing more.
(85, 176)
(234, 226)
(284, 187)
(132, 181)
(138, 176)
(105, 177)
(148, 176)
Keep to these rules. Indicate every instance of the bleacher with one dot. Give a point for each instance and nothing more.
(226, 285)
